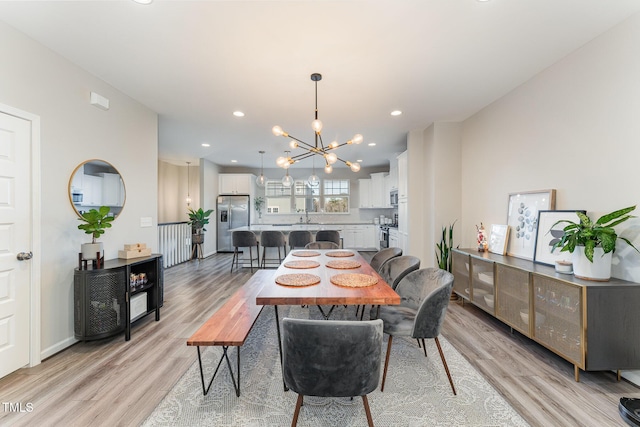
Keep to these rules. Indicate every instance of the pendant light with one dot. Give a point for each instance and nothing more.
(261, 181)
(188, 182)
(313, 180)
(287, 181)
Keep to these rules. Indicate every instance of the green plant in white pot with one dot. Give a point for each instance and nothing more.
(95, 221)
(593, 243)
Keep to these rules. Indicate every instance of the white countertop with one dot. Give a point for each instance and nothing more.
(300, 226)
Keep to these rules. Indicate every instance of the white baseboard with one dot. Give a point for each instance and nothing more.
(57, 348)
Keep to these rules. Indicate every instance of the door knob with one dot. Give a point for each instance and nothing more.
(23, 256)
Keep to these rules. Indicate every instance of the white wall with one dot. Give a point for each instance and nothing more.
(36, 80)
(208, 193)
(575, 128)
(173, 190)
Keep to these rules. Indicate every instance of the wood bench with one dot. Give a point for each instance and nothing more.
(230, 325)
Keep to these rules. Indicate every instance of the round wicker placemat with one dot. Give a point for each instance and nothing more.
(303, 263)
(354, 280)
(339, 254)
(297, 279)
(344, 264)
(305, 253)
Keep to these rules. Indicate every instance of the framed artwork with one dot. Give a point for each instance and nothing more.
(547, 236)
(498, 239)
(522, 218)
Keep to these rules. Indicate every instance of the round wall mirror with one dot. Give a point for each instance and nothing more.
(96, 183)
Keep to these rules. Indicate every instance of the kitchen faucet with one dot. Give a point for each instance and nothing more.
(306, 212)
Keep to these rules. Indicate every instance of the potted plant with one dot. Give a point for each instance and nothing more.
(258, 203)
(198, 219)
(593, 243)
(94, 223)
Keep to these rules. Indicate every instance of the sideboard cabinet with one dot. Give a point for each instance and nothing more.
(103, 296)
(592, 325)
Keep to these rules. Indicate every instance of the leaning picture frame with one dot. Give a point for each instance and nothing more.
(548, 235)
(498, 238)
(522, 218)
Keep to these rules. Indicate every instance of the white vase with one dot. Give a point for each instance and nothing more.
(598, 270)
(89, 250)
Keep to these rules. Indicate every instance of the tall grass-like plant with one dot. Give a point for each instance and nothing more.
(592, 234)
(443, 249)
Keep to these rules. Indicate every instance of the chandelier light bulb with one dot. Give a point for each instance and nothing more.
(286, 164)
(293, 143)
(331, 158)
(280, 161)
(355, 167)
(357, 139)
(316, 125)
(333, 144)
(277, 131)
(328, 169)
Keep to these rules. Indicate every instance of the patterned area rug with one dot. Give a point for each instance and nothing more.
(417, 392)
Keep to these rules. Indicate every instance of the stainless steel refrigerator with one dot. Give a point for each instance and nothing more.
(232, 212)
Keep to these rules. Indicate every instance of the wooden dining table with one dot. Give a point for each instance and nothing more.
(324, 292)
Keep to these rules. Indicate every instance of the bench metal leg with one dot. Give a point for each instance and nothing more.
(326, 316)
(205, 390)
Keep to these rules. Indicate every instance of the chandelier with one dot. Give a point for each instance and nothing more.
(318, 148)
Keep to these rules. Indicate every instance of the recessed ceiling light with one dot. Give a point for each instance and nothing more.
(206, 145)
(371, 144)
(238, 113)
(396, 112)
(234, 161)
(482, 1)
(143, 1)
(359, 160)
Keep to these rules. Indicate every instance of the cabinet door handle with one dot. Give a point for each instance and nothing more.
(23, 256)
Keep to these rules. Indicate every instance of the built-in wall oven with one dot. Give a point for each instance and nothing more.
(384, 236)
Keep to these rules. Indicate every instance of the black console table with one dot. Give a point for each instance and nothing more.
(102, 296)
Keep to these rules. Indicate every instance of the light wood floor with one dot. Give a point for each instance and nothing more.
(113, 382)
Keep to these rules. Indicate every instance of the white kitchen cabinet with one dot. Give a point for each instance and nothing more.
(394, 239)
(403, 224)
(358, 236)
(364, 188)
(112, 190)
(377, 191)
(236, 183)
(393, 174)
(402, 176)
(92, 190)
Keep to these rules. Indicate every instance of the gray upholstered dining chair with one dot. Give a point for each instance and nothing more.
(322, 245)
(299, 239)
(244, 239)
(328, 236)
(331, 358)
(273, 239)
(424, 297)
(393, 271)
(382, 256)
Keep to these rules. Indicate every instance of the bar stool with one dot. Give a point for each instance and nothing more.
(299, 239)
(272, 239)
(328, 236)
(244, 239)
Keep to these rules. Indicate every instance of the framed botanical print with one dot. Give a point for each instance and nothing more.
(548, 235)
(522, 218)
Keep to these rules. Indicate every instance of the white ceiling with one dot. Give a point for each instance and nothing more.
(195, 62)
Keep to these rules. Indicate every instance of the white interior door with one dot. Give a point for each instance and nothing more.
(15, 237)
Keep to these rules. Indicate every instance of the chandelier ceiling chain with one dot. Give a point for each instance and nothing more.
(318, 148)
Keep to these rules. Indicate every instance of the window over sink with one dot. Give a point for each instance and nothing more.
(331, 196)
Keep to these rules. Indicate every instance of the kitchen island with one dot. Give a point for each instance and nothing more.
(354, 235)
